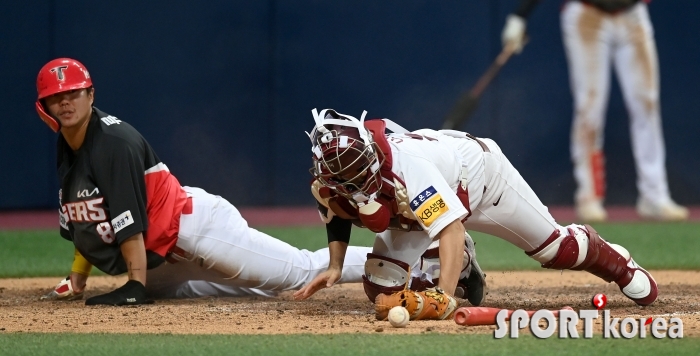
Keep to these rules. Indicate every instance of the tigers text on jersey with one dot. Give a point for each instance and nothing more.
(114, 187)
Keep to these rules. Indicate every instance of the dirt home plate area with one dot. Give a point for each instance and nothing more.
(340, 309)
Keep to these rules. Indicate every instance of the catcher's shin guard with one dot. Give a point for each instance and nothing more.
(431, 304)
(581, 248)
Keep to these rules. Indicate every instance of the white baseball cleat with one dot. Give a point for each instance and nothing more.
(636, 283)
(665, 211)
(591, 211)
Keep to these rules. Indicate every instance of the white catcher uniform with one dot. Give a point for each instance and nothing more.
(433, 168)
(599, 35)
(442, 176)
(220, 255)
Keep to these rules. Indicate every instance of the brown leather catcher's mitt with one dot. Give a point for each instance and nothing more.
(433, 304)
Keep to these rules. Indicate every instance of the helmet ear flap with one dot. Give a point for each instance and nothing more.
(45, 117)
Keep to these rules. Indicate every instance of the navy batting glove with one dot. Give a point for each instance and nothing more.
(132, 293)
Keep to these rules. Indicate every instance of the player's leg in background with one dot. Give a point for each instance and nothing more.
(586, 37)
(215, 236)
(521, 219)
(636, 65)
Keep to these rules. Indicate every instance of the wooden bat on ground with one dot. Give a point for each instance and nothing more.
(471, 316)
(468, 102)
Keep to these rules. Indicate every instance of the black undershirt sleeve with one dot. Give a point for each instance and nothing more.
(338, 230)
(526, 7)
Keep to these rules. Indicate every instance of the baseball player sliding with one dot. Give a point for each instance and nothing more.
(413, 188)
(126, 213)
(600, 34)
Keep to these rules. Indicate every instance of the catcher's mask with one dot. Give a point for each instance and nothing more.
(346, 158)
(57, 76)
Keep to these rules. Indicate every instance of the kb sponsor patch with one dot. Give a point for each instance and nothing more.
(428, 206)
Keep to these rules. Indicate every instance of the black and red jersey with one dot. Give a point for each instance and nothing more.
(115, 187)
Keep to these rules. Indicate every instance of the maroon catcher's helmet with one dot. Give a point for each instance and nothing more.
(346, 158)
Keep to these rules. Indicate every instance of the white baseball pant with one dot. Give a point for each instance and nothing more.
(223, 256)
(595, 40)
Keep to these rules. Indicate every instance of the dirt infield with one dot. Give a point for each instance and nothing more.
(341, 309)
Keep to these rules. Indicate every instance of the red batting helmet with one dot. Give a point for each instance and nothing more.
(59, 75)
(346, 158)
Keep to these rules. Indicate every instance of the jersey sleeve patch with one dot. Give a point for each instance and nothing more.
(123, 220)
(428, 206)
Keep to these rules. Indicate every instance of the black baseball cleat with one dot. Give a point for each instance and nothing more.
(473, 286)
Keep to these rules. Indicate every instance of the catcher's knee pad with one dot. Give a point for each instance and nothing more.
(581, 248)
(384, 275)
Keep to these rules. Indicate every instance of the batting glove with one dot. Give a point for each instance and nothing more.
(514, 32)
(132, 293)
(63, 291)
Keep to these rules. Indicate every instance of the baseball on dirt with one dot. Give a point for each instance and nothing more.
(398, 317)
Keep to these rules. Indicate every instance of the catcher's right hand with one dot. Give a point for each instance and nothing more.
(63, 291)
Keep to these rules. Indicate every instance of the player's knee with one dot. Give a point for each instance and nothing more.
(566, 248)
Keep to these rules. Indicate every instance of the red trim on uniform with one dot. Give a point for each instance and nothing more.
(378, 129)
(463, 195)
(187, 209)
(549, 240)
(431, 253)
(598, 171)
(166, 202)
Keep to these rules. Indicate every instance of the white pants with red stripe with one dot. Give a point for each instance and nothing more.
(596, 42)
(225, 257)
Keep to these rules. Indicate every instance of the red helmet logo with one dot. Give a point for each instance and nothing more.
(59, 72)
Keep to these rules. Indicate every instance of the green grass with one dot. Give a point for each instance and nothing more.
(35, 254)
(339, 344)
(653, 245)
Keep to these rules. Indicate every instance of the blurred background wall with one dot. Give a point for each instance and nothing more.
(223, 89)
